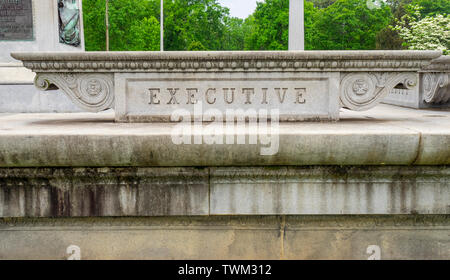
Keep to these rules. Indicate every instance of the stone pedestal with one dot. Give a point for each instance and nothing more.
(41, 34)
(378, 178)
(432, 92)
(300, 85)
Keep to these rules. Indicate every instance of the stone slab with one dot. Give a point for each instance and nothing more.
(329, 191)
(103, 192)
(306, 96)
(14, 73)
(228, 238)
(387, 135)
(300, 85)
(321, 190)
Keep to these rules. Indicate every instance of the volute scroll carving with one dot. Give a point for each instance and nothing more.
(436, 87)
(92, 92)
(363, 91)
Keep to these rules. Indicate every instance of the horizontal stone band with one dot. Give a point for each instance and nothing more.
(299, 85)
(258, 61)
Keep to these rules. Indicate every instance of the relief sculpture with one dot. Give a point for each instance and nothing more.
(69, 22)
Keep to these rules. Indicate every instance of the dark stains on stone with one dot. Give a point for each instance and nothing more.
(93, 192)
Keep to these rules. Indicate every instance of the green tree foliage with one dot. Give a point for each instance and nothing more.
(189, 22)
(234, 39)
(428, 33)
(269, 26)
(388, 38)
(433, 7)
(133, 25)
(322, 3)
(206, 25)
(349, 24)
(146, 33)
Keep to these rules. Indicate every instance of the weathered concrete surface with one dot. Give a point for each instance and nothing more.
(25, 98)
(103, 192)
(19, 95)
(329, 191)
(386, 135)
(118, 192)
(283, 237)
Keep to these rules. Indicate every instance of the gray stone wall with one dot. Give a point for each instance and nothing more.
(228, 237)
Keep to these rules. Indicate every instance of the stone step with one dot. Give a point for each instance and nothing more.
(386, 135)
(224, 238)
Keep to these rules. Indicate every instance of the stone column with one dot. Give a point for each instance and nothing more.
(296, 25)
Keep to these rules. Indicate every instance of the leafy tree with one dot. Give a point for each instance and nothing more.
(196, 46)
(322, 3)
(269, 26)
(389, 38)
(349, 24)
(146, 35)
(131, 24)
(189, 21)
(234, 38)
(429, 33)
(432, 7)
(206, 25)
(398, 7)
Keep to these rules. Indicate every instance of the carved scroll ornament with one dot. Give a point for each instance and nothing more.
(363, 91)
(436, 87)
(92, 92)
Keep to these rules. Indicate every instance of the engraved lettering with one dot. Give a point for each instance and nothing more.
(16, 20)
(281, 97)
(248, 92)
(191, 95)
(264, 90)
(210, 90)
(153, 97)
(299, 96)
(173, 92)
(225, 95)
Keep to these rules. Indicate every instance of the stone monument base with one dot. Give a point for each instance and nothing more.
(433, 91)
(182, 86)
(377, 180)
(409, 237)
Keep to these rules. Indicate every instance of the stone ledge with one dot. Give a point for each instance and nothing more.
(119, 192)
(15, 73)
(386, 135)
(177, 60)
